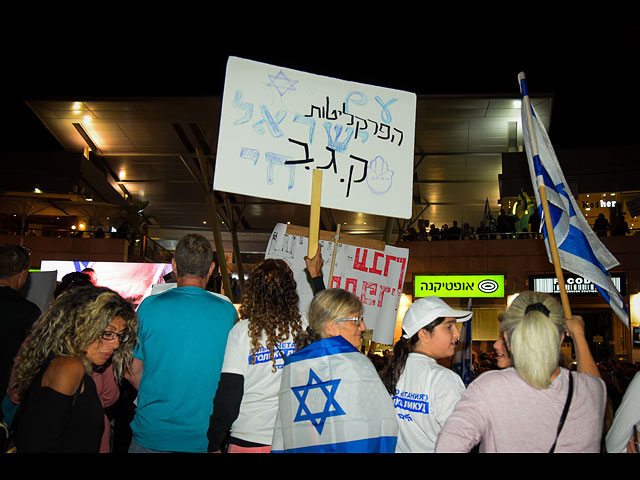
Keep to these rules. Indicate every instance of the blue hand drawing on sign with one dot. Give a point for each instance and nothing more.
(380, 176)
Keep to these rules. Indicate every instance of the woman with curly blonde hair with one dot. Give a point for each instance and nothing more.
(82, 330)
(247, 397)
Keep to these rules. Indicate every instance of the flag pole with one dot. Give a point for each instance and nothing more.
(545, 205)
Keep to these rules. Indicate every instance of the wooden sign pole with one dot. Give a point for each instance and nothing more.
(333, 257)
(314, 216)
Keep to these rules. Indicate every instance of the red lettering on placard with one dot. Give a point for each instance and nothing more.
(374, 269)
(360, 264)
(336, 282)
(368, 288)
(351, 285)
(401, 260)
(383, 289)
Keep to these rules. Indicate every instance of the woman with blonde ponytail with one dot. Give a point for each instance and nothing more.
(535, 406)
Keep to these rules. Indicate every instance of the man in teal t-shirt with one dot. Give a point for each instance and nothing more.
(176, 368)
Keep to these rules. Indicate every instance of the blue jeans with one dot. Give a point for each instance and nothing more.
(135, 448)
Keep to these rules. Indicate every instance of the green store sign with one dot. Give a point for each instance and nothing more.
(458, 286)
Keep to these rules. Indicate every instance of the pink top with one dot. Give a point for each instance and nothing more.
(503, 413)
(109, 393)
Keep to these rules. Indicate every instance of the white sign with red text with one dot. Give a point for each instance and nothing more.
(375, 277)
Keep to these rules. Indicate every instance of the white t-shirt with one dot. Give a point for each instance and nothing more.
(426, 394)
(261, 385)
(627, 415)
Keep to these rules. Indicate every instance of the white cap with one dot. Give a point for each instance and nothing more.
(427, 309)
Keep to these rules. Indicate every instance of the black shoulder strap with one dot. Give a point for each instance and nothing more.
(564, 413)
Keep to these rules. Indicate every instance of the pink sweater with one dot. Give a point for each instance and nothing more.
(109, 393)
(503, 413)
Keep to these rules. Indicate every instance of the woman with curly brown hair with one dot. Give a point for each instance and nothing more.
(60, 410)
(246, 401)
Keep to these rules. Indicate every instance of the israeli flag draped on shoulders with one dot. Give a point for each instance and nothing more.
(332, 400)
(579, 249)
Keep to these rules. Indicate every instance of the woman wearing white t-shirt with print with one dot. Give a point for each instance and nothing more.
(424, 392)
(246, 401)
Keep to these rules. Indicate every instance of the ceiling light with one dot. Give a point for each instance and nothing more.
(37, 190)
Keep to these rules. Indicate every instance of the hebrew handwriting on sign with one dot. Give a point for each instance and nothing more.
(278, 124)
(356, 126)
(363, 126)
(377, 174)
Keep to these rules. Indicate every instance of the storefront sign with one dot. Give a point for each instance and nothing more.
(459, 286)
(574, 284)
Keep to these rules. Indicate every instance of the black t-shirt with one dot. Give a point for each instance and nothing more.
(17, 315)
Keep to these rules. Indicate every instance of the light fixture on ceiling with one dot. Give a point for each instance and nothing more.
(37, 190)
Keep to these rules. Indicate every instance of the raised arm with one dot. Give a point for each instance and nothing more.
(575, 329)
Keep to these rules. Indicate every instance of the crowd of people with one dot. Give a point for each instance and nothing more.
(505, 226)
(186, 373)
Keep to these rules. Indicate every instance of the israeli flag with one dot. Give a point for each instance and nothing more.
(332, 400)
(579, 249)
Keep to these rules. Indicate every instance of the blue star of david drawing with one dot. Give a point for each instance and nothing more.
(331, 407)
(282, 83)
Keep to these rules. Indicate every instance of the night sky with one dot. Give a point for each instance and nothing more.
(590, 71)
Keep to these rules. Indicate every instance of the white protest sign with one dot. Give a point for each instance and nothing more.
(278, 125)
(376, 277)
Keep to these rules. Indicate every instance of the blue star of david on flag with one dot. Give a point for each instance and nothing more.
(331, 407)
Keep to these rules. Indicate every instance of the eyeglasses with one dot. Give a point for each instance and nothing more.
(359, 320)
(111, 336)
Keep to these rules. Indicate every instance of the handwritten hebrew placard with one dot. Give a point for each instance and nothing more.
(278, 125)
(376, 277)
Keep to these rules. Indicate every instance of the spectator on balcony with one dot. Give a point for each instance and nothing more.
(434, 232)
(454, 232)
(620, 227)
